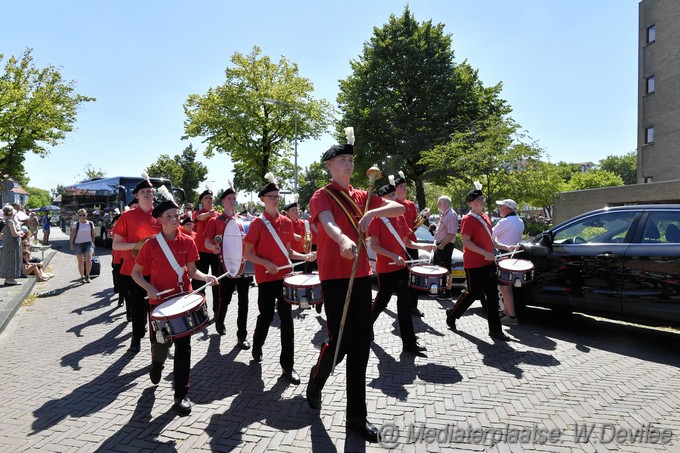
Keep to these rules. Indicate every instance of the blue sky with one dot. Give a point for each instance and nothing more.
(568, 67)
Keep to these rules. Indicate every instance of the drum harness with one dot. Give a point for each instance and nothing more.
(179, 270)
(276, 237)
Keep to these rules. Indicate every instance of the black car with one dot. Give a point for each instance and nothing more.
(620, 262)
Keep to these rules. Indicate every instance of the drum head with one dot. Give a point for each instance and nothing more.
(232, 249)
(515, 265)
(428, 270)
(302, 280)
(177, 305)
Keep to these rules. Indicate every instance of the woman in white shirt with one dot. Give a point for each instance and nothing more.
(82, 242)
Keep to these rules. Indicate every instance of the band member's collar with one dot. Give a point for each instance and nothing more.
(340, 188)
(269, 216)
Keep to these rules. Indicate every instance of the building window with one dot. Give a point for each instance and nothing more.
(651, 82)
(649, 135)
(651, 34)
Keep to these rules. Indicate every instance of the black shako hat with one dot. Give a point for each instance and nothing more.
(291, 205)
(272, 186)
(161, 208)
(385, 190)
(400, 180)
(337, 150)
(204, 193)
(471, 195)
(143, 184)
(186, 220)
(229, 191)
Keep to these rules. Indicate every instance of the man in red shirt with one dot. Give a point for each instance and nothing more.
(152, 260)
(479, 262)
(209, 261)
(267, 246)
(215, 228)
(132, 227)
(391, 244)
(338, 211)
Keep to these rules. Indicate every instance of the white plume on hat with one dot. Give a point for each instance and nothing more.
(165, 193)
(230, 184)
(271, 178)
(401, 174)
(390, 178)
(209, 186)
(478, 185)
(296, 197)
(145, 175)
(349, 133)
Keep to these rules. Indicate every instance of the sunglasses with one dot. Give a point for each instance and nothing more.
(273, 197)
(82, 215)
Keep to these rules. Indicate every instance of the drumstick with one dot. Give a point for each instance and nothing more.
(513, 252)
(509, 253)
(289, 265)
(421, 260)
(207, 284)
(165, 291)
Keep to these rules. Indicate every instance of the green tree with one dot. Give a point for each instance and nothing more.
(91, 172)
(490, 152)
(593, 179)
(37, 109)
(405, 96)
(625, 166)
(37, 197)
(183, 170)
(235, 119)
(312, 178)
(57, 191)
(540, 183)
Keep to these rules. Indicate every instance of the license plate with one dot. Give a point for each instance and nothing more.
(458, 273)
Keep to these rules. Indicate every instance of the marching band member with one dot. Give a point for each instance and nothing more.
(479, 262)
(132, 227)
(267, 246)
(299, 230)
(338, 211)
(506, 235)
(390, 238)
(209, 260)
(187, 227)
(445, 238)
(241, 284)
(161, 257)
(410, 216)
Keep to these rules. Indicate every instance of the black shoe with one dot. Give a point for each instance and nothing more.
(257, 354)
(450, 320)
(313, 395)
(221, 329)
(155, 373)
(416, 312)
(244, 344)
(363, 427)
(318, 308)
(183, 405)
(414, 348)
(499, 336)
(292, 376)
(135, 345)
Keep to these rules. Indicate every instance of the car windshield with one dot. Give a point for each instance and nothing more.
(609, 227)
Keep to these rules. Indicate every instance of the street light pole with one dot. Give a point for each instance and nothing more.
(295, 112)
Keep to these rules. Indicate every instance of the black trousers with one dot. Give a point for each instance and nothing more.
(356, 339)
(182, 360)
(122, 288)
(413, 294)
(388, 284)
(137, 305)
(482, 284)
(208, 263)
(227, 287)
(268, 295)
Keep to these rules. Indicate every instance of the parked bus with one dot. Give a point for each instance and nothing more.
(101, 197)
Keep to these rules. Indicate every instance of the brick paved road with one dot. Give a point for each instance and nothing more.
(70, 385)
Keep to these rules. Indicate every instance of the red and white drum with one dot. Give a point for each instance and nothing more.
(302, 289)
(182, 315)
(232, 259)
(428, 278)
(512, 271)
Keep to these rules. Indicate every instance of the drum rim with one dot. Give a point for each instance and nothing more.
(287, 279)
(442, 270)
(159, 317)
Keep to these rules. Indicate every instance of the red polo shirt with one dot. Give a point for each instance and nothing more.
(480, 236)
(389, 242)
(299, 228)
(410, 216)
(200, 230)
(331, 265)
(265, 246)
(133, 226)
(163, 276)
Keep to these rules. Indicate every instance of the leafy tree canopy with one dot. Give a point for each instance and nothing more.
(593, 179)
(91, 172)
(37, 109)
(235, 119)
(37, 197)
(625, 166)
(183, 170)
(405, 96)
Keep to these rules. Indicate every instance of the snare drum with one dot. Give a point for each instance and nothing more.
(428, 278)
(184, 314)
(512, 271)
(232, 249)
(303, 289)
